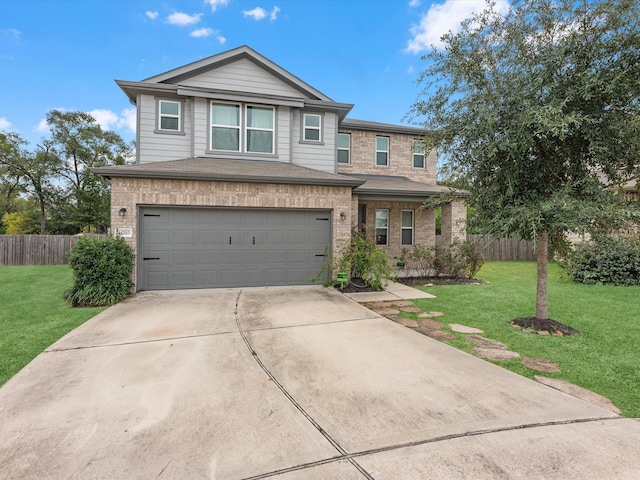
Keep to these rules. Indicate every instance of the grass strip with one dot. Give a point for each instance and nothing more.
(33, 314)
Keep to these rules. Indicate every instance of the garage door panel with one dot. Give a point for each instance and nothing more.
(207, 237)
(204, 248)
(206, 258)
(181, 258)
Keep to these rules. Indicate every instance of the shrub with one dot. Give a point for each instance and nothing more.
(101, 272)
(460, 259)
(424, 260)
(613, 261)
(361, 258)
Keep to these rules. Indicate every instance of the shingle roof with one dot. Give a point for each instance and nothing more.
(383, 185)
(253, 171)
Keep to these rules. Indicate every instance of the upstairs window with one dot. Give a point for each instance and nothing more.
(407, 227)
(382, 151)
(169, 115)
(260, 129)
(344, 147)
(418, 154)
(242, 128)
(312, 127)
(382, 227)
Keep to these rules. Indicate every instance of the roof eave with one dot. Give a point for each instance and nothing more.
(110, 172)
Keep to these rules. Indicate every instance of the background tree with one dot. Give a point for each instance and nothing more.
(537, 109)
(83, 145)
(35, 170)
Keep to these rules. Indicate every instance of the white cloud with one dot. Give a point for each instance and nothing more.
(414, 3)
(5, 124)
(128, 119)
(410, 69)
(183, 19)
(216, 3)
(151, 15)
(207, 32)
(43, 126)
(274, 13)
(202, 32)
(105, 118)
(11, 32)
(257, 13)
(442, 17)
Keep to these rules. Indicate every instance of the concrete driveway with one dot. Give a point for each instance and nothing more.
(288, 383)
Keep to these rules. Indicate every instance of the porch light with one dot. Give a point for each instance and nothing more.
(343, 216)
(122, 212)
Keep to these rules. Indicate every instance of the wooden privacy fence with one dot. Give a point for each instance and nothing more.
(54, 249)
(504, 249)
(36, 249)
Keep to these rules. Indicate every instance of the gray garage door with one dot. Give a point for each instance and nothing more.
(207, 248)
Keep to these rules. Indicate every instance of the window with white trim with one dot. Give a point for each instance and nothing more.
(312, 127)
(260, 131)
(242, 128)
(344, 147)
(382, 151)
(407, 227)
(169, 115)
(418, 154)
(382, 227)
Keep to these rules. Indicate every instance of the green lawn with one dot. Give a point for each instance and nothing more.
(604, 358)
(33, 313)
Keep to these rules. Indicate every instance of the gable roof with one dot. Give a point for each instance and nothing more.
(176, 82)
(176, 75)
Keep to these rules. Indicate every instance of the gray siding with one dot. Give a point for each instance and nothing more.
(242, 76)
(316, 156)
(156, 147)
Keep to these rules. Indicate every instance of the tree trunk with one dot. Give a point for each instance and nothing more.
(43, 224)
(542, 310)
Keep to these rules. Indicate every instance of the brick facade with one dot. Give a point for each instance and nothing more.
(130, 193)
(424, 231)
(453, 225)
(363, 156)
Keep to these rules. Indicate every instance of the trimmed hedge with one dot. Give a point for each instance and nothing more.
(101, 272)
(613, 261)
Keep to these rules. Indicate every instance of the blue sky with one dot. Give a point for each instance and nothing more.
(66, 54)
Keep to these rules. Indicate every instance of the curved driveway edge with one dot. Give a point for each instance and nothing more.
(288, 383)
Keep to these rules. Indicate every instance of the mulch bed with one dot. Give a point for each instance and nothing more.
(423, 281)
(356, 285)
(534, 324)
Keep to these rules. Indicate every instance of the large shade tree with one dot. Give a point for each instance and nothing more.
(538, 111)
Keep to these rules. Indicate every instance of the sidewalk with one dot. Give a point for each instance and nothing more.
(392, 291)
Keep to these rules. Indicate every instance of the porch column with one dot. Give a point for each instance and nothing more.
(453, 225)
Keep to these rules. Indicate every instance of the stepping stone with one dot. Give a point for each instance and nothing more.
(540, 365)
(411, 309)
(430, 324)
(495, 353)
(374, 305)
(403, 321)
(387, 311)
(401, 303)
(463, 328)
(485, 342)
(579, 392)
(436, 334)
(431, 314)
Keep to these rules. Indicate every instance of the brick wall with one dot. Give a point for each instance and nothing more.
(424, 230)
(363, 157)
(453, 225)
(132, 192)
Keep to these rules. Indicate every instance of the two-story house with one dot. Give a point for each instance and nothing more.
(246, 176)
